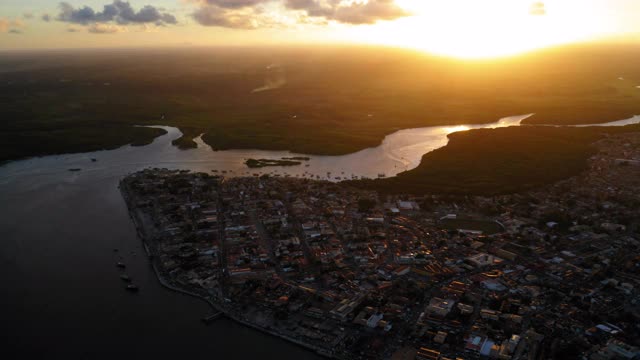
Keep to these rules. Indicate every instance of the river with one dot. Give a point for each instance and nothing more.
(61, 292)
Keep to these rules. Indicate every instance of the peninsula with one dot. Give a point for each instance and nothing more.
(351, 273)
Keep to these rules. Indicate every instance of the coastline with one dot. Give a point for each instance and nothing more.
(141, 232)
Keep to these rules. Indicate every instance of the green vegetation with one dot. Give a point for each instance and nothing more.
(184, 143)
(17, 144)
(260, 163)
(186, 140)
(334, 100)
(497, 161)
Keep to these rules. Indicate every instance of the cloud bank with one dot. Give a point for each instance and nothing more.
(253, 14)
(118, 12)
(355, 13)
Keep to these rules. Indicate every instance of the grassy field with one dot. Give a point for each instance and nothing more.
(498, 161)
(332, 100)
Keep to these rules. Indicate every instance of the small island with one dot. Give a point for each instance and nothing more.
(300, 158)
(260, 163)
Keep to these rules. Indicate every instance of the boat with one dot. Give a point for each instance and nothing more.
(121, 265)
(94, 159)
(210, 318)
(125, 277)
(75, 169)
(132, 288)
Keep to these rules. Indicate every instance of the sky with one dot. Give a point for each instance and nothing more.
(459, 28)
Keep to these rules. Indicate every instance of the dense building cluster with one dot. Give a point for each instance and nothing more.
(550, 273)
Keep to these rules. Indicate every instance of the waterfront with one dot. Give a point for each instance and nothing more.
(66, 298)
(59, 229)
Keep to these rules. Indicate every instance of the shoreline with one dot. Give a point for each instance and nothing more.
(141, 234)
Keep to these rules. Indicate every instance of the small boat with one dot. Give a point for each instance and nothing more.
(94, 159)
(132, 288)
(121, 265)
(125, 277)
(75, 169)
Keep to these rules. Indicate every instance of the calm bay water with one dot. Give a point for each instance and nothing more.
(61, 293)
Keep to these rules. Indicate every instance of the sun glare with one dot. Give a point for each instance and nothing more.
(481, 29)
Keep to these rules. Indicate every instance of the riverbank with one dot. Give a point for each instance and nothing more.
(499, 161)
(146, 230)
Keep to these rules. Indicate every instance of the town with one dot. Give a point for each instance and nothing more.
(352, 274)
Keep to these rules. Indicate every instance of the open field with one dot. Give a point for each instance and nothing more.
(327, 100)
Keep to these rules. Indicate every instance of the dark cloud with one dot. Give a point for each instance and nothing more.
(119, 12)
(537, 8)
(354, 13)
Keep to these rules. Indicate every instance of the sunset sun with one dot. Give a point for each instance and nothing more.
(484, 29)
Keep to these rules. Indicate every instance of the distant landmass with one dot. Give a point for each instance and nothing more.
(333, 100)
